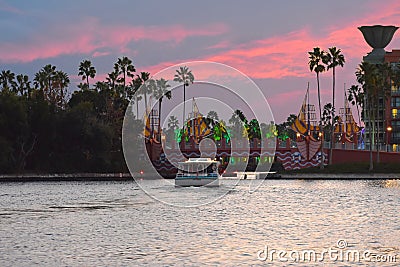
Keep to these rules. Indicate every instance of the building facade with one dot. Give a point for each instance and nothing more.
(392, 113)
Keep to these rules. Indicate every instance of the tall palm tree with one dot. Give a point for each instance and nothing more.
(160, 90)
(62, 80)
(86, 70)
(356, 97)
(333, 58)
(112, 79)
(185, 76)
(23, 85)
(44, 81)
(384, 73)
(315, 59)
(366, 76)
(395, 77)
(125, 68)
(145, 88)
(7, 80)
(135, 84)
(49, 71)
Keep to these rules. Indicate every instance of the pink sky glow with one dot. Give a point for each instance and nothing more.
(278, 62)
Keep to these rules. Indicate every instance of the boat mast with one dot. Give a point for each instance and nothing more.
(308, 108)
(345, 111)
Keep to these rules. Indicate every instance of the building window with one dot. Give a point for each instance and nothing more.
(395, 113)
(395, 126)
(395, 90)
(396, 102)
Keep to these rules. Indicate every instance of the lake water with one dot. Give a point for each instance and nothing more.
(117, 224)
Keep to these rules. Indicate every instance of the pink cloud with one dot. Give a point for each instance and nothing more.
(90, 37)
(100, 54)
(220, 45)
(286, 55)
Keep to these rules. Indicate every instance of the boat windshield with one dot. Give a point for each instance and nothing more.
(197, 168)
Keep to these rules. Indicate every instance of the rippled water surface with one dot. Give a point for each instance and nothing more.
(116, 224)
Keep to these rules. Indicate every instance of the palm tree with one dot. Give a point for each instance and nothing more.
(112, 79)
(212, 118)
(60, 82)
(356, 97)
(173, 125)
(234, 120)
(125, 67)
(395, 78)
(327, 121)
(135, 84)
(236, 124)
(23, 85)
(173, 122)
(315, 59)
(7, 80)
(86, 70)
(145, 89)
(219, 130)
(366, 76)
(160, 90)
(185, 76)
(40, 80)
(333, 59)
(384, 73)
(253, 130)
(101, 86)
(44, 81)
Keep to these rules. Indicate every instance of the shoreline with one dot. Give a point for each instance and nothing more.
(127, 177)
(57, 177)
(342, 176)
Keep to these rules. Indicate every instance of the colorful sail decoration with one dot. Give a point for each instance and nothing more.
(147, 128)
(305, 128)
(196, 126)
(346, 126)
(303, 123)
(152, 120)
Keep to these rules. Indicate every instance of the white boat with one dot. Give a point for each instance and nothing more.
(198, 172)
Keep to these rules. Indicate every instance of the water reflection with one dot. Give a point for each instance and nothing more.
(116, 224)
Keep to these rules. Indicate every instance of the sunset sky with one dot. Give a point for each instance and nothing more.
(266, 40)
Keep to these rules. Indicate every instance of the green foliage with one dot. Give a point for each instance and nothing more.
(86, 70)
(284, 130)
(43, 131)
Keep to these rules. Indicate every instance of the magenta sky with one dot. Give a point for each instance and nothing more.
(267, 40)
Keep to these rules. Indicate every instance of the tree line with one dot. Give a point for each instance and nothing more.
(46, 130)
(43, 129)
(370, 96)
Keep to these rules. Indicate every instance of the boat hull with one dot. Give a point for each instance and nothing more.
(207, 182)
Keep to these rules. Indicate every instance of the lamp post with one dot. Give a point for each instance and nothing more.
(388, 130)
